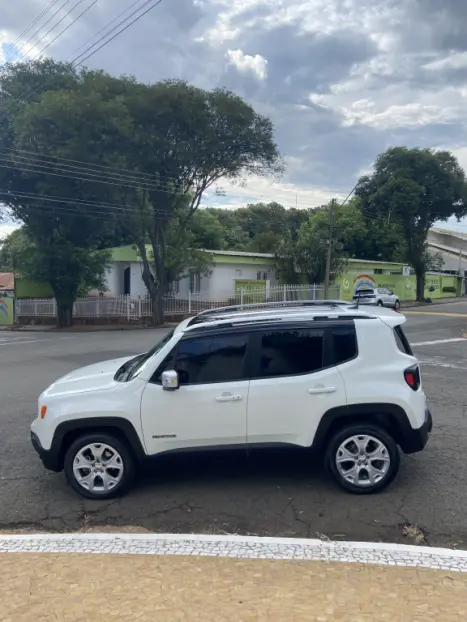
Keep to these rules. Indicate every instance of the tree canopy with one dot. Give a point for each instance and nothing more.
(122, 155)
(411, 189)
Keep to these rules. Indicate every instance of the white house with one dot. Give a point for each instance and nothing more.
(452, 246)
(230, 271)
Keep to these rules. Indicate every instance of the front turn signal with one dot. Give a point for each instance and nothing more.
(43, 411)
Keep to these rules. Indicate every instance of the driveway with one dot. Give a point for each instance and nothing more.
(271, 493)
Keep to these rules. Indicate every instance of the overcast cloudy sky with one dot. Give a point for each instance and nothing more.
(342, 80)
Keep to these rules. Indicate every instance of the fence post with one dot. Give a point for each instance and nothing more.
(128, 307)
(189, 300)
(285, 293)
(54, 307)
(97, 306)
(241, 296)
(139, 307)
(314, 291)
(35, 308)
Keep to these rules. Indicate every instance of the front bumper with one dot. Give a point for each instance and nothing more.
(50, 458)
(414, 440)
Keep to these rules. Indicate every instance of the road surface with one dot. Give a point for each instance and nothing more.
(272, 493)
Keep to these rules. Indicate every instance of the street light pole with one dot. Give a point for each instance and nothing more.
(327, 274)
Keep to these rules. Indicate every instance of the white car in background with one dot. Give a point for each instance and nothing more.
(380, 296)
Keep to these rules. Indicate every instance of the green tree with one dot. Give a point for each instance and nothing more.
(414, 188)
(303, 251)
(20, 254)
(174, 139)
(65, 235)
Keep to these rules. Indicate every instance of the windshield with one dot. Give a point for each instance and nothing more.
(129, 369)
(364, 292)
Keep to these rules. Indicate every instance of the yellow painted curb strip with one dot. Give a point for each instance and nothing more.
(433, 313)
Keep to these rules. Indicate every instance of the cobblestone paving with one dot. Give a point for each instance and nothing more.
(239, 547)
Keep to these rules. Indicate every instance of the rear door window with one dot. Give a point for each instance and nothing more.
(402, 341)
(290, 353)
(345, 343)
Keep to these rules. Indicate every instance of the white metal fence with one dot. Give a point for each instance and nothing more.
(135, 308)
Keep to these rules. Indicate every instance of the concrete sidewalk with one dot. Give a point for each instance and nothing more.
(215, 579)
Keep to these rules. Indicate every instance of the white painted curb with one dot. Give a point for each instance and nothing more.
(242, 547)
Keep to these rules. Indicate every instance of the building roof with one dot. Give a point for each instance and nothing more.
(7, 280)
(130, 253)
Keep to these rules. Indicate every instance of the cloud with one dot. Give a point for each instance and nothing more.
(256, 64)
(6, 229)
(341, 79)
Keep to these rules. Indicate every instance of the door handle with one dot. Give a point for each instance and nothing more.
(228, 398)
(318, 390)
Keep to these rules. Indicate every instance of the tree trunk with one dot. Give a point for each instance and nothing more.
(155, 292)
(64, 314)
(420, 276)
(158, 308)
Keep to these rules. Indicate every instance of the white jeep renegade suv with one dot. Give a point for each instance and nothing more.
(328, 376)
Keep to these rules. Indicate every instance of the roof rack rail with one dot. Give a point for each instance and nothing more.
(272, 305)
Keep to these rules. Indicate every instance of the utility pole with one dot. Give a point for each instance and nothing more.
(327, 275)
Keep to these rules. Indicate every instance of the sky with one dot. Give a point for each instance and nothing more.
(342, 80)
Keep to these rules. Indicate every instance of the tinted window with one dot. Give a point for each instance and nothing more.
(215, 359)
(401, 341)
(166, 365)
(345, 343)
(290, 352)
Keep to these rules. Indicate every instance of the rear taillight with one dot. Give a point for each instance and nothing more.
(412, 377)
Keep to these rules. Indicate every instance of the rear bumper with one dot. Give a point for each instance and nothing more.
(414, 440)
(50, 458)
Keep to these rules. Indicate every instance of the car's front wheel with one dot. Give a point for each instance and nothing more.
(397, 305)
(362, 458)
(99, 466)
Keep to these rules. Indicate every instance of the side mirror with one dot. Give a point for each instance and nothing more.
(170, 381)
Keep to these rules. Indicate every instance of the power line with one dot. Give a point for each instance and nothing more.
(116, 34)
(100, 181)
(67, 27)
(37, 89)
(107, 208)
(45, 24)
(84, 175)
(109, 32)
(41, 161)
(26, 30)
(104, 28)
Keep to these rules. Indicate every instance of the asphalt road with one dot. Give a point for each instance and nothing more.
(272, 493)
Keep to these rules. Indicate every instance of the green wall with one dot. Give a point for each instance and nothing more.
(403, 286)
(7, 310)
(32, 289)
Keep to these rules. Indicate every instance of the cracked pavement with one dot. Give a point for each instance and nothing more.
(280, 493)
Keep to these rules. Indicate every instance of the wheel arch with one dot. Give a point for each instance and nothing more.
(389, 416)
(68, 431)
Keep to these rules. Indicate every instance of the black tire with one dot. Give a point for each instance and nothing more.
(397, 305)
(113, 442)
(380, 303)
(363, 429)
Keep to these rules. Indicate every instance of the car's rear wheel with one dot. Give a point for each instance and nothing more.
(362, 458)
(380, 303)
(99, 466)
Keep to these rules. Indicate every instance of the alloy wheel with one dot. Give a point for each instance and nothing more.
(98, 467)
(363, 460)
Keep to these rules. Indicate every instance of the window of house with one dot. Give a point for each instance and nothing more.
(175, 287)
(214, 359)
(345, 343)
(195, 282)
(290, 352)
